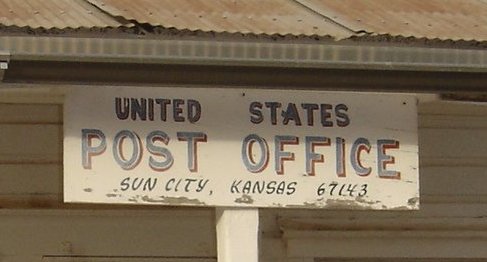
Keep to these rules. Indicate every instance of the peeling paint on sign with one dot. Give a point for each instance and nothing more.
(216, 147)
(244, 199)
(173, 200)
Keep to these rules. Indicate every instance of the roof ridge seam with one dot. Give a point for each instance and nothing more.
(142, 27)
(483, 1)
(300, 2)
(120, 19)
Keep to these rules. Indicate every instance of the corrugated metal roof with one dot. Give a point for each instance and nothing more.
(432, 19)
(53, 14)
(234, 16)
(442, 19)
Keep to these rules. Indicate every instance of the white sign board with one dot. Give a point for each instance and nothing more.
(235, 147)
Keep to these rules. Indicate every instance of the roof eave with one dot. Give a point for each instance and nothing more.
(334, 55)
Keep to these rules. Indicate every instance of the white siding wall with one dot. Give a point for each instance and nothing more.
(451, 223)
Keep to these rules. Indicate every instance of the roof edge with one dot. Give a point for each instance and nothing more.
(335, 55)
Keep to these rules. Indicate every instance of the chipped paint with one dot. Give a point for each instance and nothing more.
(347, 204)
(311, 205)
(245, 199)
(401, 208)
(413, 201)
(351, 204)
(362, 200)
(173, 200)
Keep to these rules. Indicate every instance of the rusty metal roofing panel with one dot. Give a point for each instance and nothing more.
(233, 16)
(442, 19)
(53, 14)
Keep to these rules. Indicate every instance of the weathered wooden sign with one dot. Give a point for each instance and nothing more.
(236, 147)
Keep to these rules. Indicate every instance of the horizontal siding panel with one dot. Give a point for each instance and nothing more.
(31, 186)
(451, 108)
(453, 181)
(399, 260)
(388, 244)
(33, 201)
(272, 249)
(452, 162)
(426, 210)
(170, 233)
(452, 122)
(452, 134)
(124, 259)
(20, 258)
(34, 96)
(453, 143)
(30, 113)
(420, 225)
(30, 179)
(26, 143)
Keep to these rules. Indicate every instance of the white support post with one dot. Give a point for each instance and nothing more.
(237, 233)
